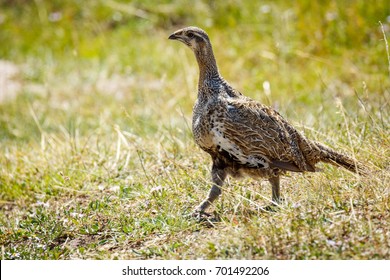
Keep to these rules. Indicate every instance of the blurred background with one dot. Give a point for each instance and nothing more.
(83, 58)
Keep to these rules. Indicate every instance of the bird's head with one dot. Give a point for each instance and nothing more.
(193, 37)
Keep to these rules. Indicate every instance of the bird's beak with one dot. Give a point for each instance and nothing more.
(173, 37)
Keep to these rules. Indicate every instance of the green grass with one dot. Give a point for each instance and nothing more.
(97, 159)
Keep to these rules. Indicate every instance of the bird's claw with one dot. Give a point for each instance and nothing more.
(274, 206)
(198, 214)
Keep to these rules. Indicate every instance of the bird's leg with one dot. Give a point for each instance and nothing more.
(275, 183)
(218, 176)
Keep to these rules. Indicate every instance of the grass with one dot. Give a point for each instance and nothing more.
(97, 159)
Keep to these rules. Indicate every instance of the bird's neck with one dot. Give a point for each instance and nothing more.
(208, 69)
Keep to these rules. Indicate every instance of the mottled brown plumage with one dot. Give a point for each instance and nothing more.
(243, 136)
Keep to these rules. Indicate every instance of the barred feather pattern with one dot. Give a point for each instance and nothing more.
(243, 136)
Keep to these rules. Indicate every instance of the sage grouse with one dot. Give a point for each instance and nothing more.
(243, 136)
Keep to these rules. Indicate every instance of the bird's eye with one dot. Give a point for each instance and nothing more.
(190, 35)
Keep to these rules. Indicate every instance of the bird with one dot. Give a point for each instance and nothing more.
(243, 136)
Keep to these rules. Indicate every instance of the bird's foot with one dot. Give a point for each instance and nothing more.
(205, 218)
(197, 214)
(271, 208)
(274, 206)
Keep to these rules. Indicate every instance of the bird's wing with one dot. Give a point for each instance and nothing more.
(259, 131)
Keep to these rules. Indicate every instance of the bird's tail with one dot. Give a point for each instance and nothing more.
(339, 159)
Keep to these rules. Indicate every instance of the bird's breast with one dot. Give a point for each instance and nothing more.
(201, 131)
